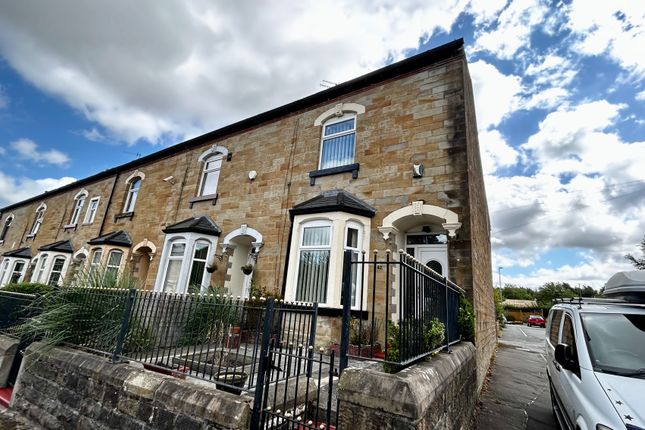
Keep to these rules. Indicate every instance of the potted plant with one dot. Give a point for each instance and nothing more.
(247, 269)
(363, 338)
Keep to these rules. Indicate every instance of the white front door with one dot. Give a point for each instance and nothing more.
(433, 256)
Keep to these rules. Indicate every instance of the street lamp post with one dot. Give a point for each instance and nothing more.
(499, 275)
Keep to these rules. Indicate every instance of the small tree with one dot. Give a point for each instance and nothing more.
(639, 263)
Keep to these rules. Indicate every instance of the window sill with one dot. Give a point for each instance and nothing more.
(1, 242)
(30, 236)
(70, 227)
(124, 215)
(209, 197)
(334, 171)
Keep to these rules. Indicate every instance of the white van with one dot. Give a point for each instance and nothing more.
(596, 363)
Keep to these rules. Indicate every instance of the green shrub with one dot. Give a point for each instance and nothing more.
(466, 319)
(434, 334)
(28, 288)
(393, 353)
(210, 319)
(362, 332)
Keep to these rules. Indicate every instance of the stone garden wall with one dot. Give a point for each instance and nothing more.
(70, 389)
(435, 394)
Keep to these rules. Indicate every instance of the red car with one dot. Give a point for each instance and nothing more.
(536, 320)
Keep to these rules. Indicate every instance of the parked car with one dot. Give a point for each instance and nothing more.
(596, 364)
(536, 320)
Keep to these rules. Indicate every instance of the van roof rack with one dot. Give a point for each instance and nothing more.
(598, 301)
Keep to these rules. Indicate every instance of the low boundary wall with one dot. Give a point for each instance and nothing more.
(434, 394)
(66, 388)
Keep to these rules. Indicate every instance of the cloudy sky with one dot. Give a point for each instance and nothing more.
(560, 96)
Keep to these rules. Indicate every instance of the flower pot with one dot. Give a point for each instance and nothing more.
(211, 269)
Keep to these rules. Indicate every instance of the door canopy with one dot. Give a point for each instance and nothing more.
(401, 220)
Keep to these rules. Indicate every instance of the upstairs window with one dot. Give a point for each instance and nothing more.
(210, 174)
(131, 197)
(114, 263)
(91, 210)
(78, 206)
(5, 228)
(338, 141)
(313, 266)
(40, 214)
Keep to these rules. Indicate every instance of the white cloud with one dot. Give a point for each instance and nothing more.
(14, 189)
(28, 150)
(495, 152)
(513, 30)
(94, 135)
(485, 11)
(496, 95)
(167, 73)
(615, 27)
(641, 96)
(2, 151)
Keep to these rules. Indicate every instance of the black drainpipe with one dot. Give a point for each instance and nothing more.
(109, 202)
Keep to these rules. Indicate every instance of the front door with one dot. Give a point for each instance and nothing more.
(435, 257)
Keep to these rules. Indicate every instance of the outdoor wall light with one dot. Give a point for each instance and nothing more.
(253, 174)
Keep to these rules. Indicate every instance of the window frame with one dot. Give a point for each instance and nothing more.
(5, 229)
(358, 251)
(79, 202)
(303, 248)
(89, 216)
(38, 221)
(94, 253)
(4, 266)
(111, 267)
(216, 156)
(20, 273)
(555, 334)
(192, 264)
(335, 120)
(42, 261)
(186, 260)
(60, 272)
(130, 202)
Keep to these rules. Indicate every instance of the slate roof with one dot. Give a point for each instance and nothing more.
(60, 246)
(202, 224)
(118, 238)
(334, 200)
(19, 253)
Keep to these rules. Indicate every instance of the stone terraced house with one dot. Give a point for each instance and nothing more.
(389, 160)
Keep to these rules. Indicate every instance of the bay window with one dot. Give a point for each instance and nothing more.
(198, 266)
(56, 274)
(18, 271)
(313, 266)
(41, 269)
(114, 263)
(183, 263)
(3, 270)
(97, 255)
(173, 266)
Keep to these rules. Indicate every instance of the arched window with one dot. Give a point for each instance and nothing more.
(175, 258)
(40, 214)
(210, 174)
(57, 271)
(79, 202)
(338, 141)
(131, 197)
(5, 228)
(114, 262)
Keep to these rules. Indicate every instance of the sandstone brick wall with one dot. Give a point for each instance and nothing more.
(70, 389)
(434, 394)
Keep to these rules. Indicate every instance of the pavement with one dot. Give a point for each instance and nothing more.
(516, 394)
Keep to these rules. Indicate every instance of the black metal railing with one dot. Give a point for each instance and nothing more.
(14, 307)
(405, 311)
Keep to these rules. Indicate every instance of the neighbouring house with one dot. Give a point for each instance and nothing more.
(387, 161)
(520, 310)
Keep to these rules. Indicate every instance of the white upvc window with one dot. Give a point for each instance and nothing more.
(79, 202)
(92, 207)
(316, 260)
(5, 228)
(56, 273)
(40, 215)
(313, 262)
(133, 193)
(40, 271)
(19, 268)
(210, 174)
(114, 262)
(97, 255)
(183, 263)
(338, 141)
(4, 268)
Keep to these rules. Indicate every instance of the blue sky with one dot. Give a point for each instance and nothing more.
(559, 91)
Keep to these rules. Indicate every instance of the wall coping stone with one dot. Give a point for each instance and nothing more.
(185, 397)
(408, 393)
(8, 350)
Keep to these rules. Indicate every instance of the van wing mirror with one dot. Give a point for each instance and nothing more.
(565, 357)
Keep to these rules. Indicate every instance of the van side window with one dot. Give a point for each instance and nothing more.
(554, 326)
